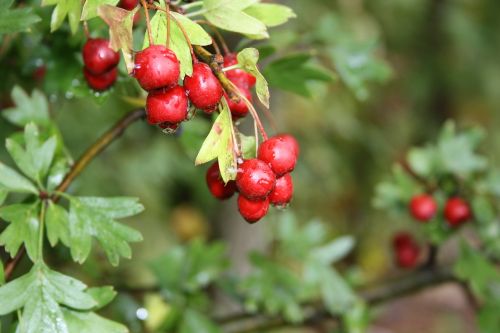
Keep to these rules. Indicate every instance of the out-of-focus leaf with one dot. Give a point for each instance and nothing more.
(333, 251)
(27, 108)
(247, 59)
(15, 20)
(12, 181)
(292, 73)
(102, 295)
(64, 8)
(2, 274)
(194, 321)
(270, 14)
(90, 7)
(90, 322)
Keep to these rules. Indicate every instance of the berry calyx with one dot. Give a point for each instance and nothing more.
(279, 154)
(203, 88)
(216, 185)
(239, 109)
(156, 67)
(252, 210)
(128, 4)
(100, 82)
(98, 57)
(255, 179)
(238, 76)
(167, 106)
(283, 191)
(456, 211)
(423, 207)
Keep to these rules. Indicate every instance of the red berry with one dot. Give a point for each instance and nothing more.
(238, 76)
(279, 153)
(423, 207)
(456, 211)
(216, 185)
(407, 256)
(100, 82)
(283, 191)
(128, 4)
(203, 88)
(402, 239)
(239, 109)
(98, 57)
(156, 67)
(252, 210)
(255, 179)
(167, 106)
(292, 142)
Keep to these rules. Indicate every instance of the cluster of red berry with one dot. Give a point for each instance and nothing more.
(406, 249)
(260, 181)
(100, 64)
(241, 79)
(423, 208)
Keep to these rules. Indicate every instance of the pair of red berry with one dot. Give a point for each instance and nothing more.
(406, 249)
(157, 70)
(260, 181)
(423, 208)
(100, 64)
(244, 81)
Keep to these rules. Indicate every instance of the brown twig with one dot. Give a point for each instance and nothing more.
(148, 22)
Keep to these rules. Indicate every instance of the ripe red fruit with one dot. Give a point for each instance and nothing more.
(156, 67)
(239, 109)
(255, 179)
(279, 154)
(100, 82)
(407, 256)
(283, 191)
(238, 76)
(252, 210)
(423, 207)
(456, 211)
(203, 88)
(292, 142)
(167, 106)
(216, 185)
(402, 239)
(98, 57)
(128, 4)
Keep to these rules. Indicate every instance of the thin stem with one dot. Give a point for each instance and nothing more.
(10, 265)
(216, 46)
(192, 5)
(86, 29)
(228, 68)
(253, 112)
(41, 231)
(148, 22)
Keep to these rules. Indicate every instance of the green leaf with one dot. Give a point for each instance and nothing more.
(89, 322)
(90, 217)
(488, 319)
(15, 20)
(195, 321)
(270, 14)
(27, 109)
(292, 73)
(397, 192)
(219, 144)
(24, 227)
(337, 295)
(229, 15)
(247, 59)
(17, 292)
(115, 208)
(120, 22)
(248, 146)
(14, 182)
(64, 8)
(3, 195)
(178, 44)
(102, 295)
(333, 251)
(2, 275)
(57, 224)
(90, 8)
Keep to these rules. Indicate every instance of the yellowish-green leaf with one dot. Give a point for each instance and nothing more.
(248, 59)
(90, 7)
(270, 14)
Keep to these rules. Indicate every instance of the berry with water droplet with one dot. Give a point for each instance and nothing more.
(283, 191)
(252, 210)
(255, 179)
(203, 88)
(239, 109)
(156, 67)
(167, 106)
(279, 154)
(456, 211)
(98, 57)
(216, 185)
(100, 82)
(423, 207)
(238, 76)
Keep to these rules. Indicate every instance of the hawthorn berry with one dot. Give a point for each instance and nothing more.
(100, 82)
(402, 239)
(292, 142)
(456, 211)
(98, 57)
(255, 179)
(216, 185)
(238, 76)
(407, 255)
(156, 67)
(252, 210)
(279, 154)
(203, 88)
(167, 106)
(283, 191)
(128, 4)
(239, 109)
(423, 207)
